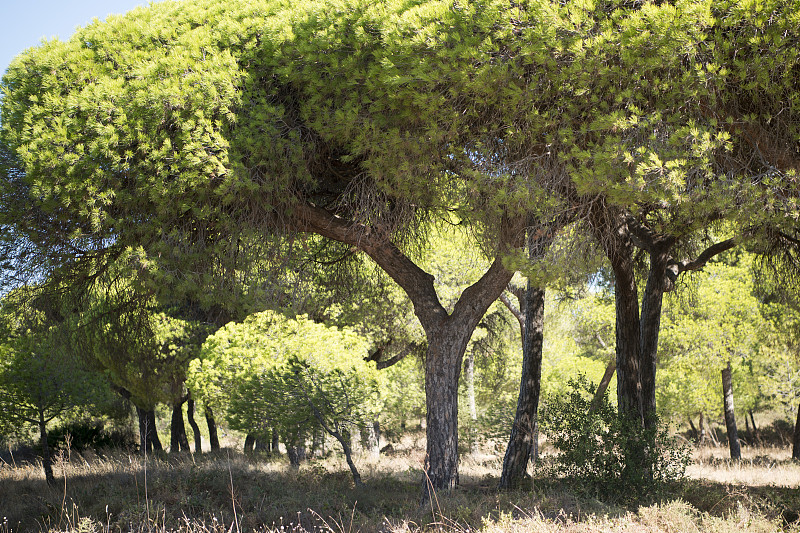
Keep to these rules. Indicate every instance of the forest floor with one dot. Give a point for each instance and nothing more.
(230, 492)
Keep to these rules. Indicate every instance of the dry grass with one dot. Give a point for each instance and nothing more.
(230, 492)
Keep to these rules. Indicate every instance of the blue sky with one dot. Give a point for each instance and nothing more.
(24, 23)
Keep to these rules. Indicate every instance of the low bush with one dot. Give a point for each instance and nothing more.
(604, 453)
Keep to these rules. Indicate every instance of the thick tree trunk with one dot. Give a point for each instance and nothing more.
(730, 417)
(148, 435)
(629, 387)
(695, 433)
(213, 436)
(178, 442)
(249, 443)
(524, 431)
(198, 443)
(469, 375)
(47, 462)
(796, 439)
(442, 369)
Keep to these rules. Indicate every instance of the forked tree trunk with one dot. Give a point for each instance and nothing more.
(198, 443)
(730, 418)
(524, 431)
(153, 431)
(213, 436)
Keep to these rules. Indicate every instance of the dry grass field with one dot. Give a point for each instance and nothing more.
(230, 492)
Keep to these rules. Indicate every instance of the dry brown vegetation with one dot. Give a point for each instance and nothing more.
(233, 492)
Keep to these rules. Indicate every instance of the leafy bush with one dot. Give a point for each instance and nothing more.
(83, 434)
(605, 453)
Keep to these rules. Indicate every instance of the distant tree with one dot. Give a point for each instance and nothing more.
(40, 377)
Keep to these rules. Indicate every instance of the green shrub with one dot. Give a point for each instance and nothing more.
(89, 433)
(604, 453)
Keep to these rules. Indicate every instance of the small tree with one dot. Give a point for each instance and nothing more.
(40, 379)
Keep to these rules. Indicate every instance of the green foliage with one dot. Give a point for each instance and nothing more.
(275, 372)
(607, 454)
(89, 433)
(40, 377)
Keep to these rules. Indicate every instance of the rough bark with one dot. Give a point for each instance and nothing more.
(373, 442)
(524, 431)
(730, 418)
(249, 443)
(47, 462)
(650, 326)
(796, 439)
(198, 443)
(213, 436)
(447, 335)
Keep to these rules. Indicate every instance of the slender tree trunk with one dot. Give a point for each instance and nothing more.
(249, 443)
(756, 435)
(469, 375)
(730, 418)
(144, 442)
(649, 328)
(796, 439)
(701, 440)
(317, 442)
(178, 442)
(605, 381)
(198, 443)
(524, 431)
(213, 436)
(695, 433)
(152, 431)
(47, 462)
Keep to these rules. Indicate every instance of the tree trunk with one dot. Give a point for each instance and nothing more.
(153, 431)
(198, 443)
(249, 443)
(701, 440)
(524, 431)
(442, 369)
(276, 445)
(47, 463)
(629, 388)
(469, 375)
(373, 442)
(213, 437)
(730, 418)
(178, 442)
(756, 435)
(649, 328)
(148, 434)
(694, 432)
(605, 381)
(796, 439)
